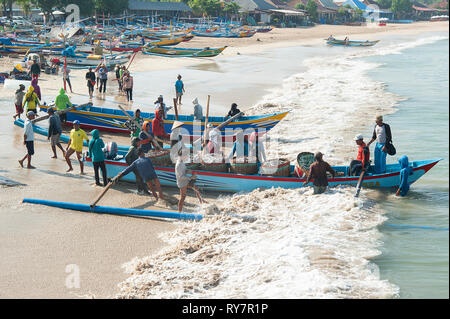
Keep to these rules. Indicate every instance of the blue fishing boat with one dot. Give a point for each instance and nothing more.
(112, 120)
(347, 43)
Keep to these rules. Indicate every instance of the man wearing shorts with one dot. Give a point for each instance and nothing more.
(179, 89)
(28, 139)
(75, 145)
(54, 132)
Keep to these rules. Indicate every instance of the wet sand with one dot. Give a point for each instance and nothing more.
(39, 242)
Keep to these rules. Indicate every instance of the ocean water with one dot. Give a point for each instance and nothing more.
(281, 243)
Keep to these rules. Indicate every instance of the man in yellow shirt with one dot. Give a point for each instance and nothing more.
(75, 145)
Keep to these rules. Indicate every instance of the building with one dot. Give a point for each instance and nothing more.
(424, 12)
(370, 13)
(164, 9)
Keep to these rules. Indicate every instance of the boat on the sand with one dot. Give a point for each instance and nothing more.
(351, 43)
(179, 52)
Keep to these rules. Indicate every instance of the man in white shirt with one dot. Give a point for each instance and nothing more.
(28, 139)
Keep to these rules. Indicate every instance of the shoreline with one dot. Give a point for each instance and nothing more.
(105, 287)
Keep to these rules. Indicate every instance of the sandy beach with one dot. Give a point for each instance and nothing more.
(39, 244)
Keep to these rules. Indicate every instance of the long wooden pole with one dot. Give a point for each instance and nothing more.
(175, 107)
(206, 119)
(102, 194)
(358, 186)
(74, 107)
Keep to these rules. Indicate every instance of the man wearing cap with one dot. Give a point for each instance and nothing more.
(75, 145)
(362, 161)
(382, 134)
(28, 139)
(143, 165)
(318, 171)
(233, 111)
(160, 105)
(54, 132)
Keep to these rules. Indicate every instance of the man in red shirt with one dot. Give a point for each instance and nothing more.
(362, 161)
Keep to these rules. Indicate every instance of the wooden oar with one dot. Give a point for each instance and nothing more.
(358, 186)
(102, 194)
(41, 118)
(140, 126)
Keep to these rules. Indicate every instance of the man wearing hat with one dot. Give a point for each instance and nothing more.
(381, 134)
(175, 135)
(160, 105)
(75, 145)
(362, 161)
(28, 139)
(318, 171)
(54, 131)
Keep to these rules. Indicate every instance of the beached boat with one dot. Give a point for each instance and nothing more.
(113, 120)
(230, 182)
(178, 52)
(351, 43)
(92, 60)
(8, 46)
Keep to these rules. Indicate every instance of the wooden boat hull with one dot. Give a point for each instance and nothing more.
(352, 43)
(84, 61)
(228, 182)
(177, 52)
(113, 120)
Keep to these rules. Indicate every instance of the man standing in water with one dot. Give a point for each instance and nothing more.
(382, 134)
(75, 145)
(318, 172)
(28, 139)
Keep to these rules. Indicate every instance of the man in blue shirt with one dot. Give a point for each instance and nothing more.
(179, 89)
(144, 167)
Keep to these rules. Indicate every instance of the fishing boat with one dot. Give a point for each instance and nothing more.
(351, 43)
(178, 52)
(112, 120)
(8, 46)
(231, 182)
(92, 60)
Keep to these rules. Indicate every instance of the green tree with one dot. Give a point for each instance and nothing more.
(384, 4)
(86, 6)
(206, 7)
(111, 6)
(231, 8)
(311, 8)
(300, 6)
(401, 8)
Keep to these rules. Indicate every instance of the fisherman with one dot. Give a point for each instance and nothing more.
(75, 145)
(318, 171)
(143, 165)
(382, 134)
(240, 147)
(179, 89)
(330, 38)
(28, 139)
(90, 77)
(158, 128)
(35, 69)
(66, 77)
(233, 111)
(405, 171)
(127, 85)
(162, 106)
(213, 141)
(97, 155)
(175, 134)
(20, 93)
(31, 100)
(118, 77)
(346, 40)
(146, 140)
(130, 157)
(183, 181)
(103, 75)
(198, 110)
(36, 87)
(54, 132)
(362, 161)
(132, 126)
(257, 147)
(62, 102)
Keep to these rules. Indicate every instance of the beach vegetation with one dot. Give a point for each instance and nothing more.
(300, 6)
(311, 8)
(213, 8)
(401, 8)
